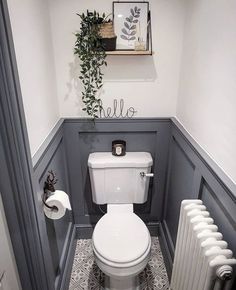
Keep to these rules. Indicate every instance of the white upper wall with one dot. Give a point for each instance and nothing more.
(207, 96)
(148, 83)
(33, 46)
(205, 37)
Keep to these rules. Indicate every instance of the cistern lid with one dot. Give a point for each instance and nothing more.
(121, 238)
(131, 159)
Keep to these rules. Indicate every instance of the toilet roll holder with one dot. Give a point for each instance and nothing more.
(49, 189)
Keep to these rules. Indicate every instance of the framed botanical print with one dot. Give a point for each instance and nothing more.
(130, 23)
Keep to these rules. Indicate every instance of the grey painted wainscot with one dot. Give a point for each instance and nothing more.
(65, 151)
(193, 174)
(182, 170)
(57, 235)
(83, 137)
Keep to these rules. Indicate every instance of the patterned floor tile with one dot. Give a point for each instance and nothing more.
(86, 274)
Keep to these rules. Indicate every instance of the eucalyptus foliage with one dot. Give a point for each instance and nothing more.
(89, 48)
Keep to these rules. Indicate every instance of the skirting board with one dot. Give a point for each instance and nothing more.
(69, 261)
(85, 231)
(165, 251)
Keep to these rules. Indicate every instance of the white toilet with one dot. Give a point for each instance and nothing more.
(121, 240)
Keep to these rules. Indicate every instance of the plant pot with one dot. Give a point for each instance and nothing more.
(108, 36)
(109, 44)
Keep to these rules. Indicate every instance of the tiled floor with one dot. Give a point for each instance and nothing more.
(86, 275)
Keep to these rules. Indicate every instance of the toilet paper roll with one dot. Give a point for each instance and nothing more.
(59, 199)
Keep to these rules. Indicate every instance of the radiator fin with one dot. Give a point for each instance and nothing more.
(200, 252)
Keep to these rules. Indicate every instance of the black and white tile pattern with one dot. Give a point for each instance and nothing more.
(86, 274)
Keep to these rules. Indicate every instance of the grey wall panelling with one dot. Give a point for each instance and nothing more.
(192, 174)
(57, 233)
(181, 171)
(83, 137)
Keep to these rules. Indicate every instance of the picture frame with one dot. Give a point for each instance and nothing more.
(131, 24)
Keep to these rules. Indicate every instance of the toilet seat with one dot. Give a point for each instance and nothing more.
(121, 240)
(123, 265)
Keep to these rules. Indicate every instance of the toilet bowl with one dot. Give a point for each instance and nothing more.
(121, 245)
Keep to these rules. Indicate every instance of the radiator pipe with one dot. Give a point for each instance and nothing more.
(224, 278)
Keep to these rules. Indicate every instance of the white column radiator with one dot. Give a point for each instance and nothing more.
(202, 260)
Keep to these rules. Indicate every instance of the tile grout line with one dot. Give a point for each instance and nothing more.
(86, 274)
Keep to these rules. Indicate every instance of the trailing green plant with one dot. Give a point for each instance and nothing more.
(90, 50)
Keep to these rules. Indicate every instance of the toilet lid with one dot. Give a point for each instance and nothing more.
(121, 238)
